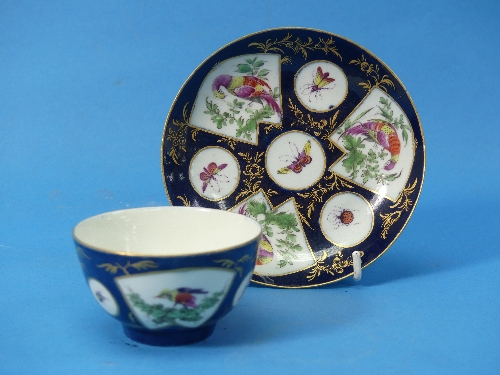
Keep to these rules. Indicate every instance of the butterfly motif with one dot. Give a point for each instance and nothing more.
(209, 173)
(319, 82)
(300, 161)
(100, 296)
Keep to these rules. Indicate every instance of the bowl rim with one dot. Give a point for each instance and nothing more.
(79, 241)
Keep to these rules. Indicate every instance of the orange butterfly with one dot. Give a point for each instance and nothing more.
(297, 162)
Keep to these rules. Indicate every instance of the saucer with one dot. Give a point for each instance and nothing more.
(309, 134)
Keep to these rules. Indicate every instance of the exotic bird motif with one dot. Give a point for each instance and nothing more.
(182, 296)
(382, 133)
(245, 87)
(265, 254)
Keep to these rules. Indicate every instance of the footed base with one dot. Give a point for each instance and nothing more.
(169, 338)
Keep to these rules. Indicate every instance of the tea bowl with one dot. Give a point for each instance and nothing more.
(168, 274)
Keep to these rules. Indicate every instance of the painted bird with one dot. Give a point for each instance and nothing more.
(182, 296)
(265, 254)
(245, 87)
(384, 134)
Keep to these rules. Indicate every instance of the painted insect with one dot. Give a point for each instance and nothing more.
(208, 176)
(319, 82)
(297, 162)
(341, 216)
(382, 133)
(100, 297)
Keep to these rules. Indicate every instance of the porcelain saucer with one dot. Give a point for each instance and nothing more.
(308, 133)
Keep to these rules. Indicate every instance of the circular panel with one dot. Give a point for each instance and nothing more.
(346, 219)
(241, 289)
(214, 173)
(104, 297)
(320, 86)
(295, 160)
(266, 99)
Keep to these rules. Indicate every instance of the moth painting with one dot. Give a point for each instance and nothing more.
(100, 296)
(320, 81)
(299, 159)
(211, 177)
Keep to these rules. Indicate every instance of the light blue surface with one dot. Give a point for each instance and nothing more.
(85, 90)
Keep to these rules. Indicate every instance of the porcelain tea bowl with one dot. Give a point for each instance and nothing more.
(168, 274)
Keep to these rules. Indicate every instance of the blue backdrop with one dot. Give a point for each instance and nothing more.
(85, 88)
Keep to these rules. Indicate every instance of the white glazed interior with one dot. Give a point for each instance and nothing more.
(166, 231)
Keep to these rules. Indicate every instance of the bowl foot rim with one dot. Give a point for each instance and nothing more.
(169, 338)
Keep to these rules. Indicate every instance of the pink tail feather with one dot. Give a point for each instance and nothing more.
(272, 103)
(358, 129)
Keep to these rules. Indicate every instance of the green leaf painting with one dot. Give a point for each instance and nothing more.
(252, 66)
(246, 121)
(281, 226)
(168, 315)
(217, 118)
(366, 162)
(355, 158)
(388, 117)
(245, 130)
